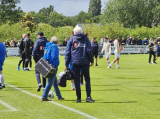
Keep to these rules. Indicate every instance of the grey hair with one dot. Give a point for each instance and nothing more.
(54, 39)
(78, 29)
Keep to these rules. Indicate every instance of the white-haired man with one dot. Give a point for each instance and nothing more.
(79, 52)
(116, 52)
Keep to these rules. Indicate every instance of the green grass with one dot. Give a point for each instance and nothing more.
(132, 92)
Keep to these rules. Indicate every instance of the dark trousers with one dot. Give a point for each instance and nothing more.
(30, 61)
(27, 57)
(22, 59)
(85, 70)
(150, 56)
(81, 74)
(39, 79)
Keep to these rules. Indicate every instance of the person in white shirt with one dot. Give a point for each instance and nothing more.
(107, 49)
(116, 52)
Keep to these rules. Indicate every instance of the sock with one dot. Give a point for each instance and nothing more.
(117, 65)
(72, 84)
(2, 80)
(108, 61)
(111, 63)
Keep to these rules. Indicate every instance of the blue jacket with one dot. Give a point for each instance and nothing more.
(52, 54)
(38, 50)
(158, 50)
(2, 52)
(144, 41)
(79, 50)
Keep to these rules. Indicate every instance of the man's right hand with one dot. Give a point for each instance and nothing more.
(22, 52)
(92, 64)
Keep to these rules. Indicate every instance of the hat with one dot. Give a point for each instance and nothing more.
(40, 33)
(139, 37)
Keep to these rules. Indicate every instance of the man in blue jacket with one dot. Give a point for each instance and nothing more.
(38, 52)
(145, 42)
(2, 58)
(79, 52)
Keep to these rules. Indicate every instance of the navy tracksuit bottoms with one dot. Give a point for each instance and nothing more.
(86, 73)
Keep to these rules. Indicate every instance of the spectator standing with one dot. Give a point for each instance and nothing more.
(11, 43)
(151, 40)
(65, 42)
(60, 44)
(102, 41)
(128, 42)
(123, 42)
(38, 52)
(139, 41)
(145, 42)
(96, 47)
(79, 52)
(111, 41)
(15, 43)
(2, 58)
(52, 56)
(133, 41)
(31, 50)
(158, 40)
(7, 43)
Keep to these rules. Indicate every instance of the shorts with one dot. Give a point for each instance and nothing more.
(1, 64)
(107, 55)
(95, 54)
(117, 55)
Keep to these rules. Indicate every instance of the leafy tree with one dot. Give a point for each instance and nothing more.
(28, 22)
(81, 17)
(132, 12)
(94, 8)
(8, 11)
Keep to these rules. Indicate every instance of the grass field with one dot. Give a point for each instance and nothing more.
(132, 92)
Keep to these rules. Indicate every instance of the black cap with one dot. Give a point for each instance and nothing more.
(40, 33)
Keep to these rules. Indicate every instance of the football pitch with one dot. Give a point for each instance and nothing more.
(132, 92)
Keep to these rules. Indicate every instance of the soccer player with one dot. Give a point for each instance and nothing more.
(38, 52)
(107, 49)
(151, 52)
(2, 58)
(21, 52)
(116, 52)
(26, 44)
(96, 46)
(158, 50)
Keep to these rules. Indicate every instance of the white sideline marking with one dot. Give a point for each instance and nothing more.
(8, 106)
(55, 103)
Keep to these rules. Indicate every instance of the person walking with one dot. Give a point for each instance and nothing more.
(79, 52)
(38, 53)
(96, 47)
(52, 56)
(151, 52)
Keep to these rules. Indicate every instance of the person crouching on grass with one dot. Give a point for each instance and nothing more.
(107, 49)
(151, 52)
(52, 56)
(158, 50)
(116, 52)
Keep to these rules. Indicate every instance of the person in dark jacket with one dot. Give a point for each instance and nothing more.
(139, 41)
(2, 58)
(79, 52)
(128, 42)
(52, 56)
(133, 41)
(145, 42)
(111, 41)
(21, 53)
(38, 52)
(31, 50)
(26, 45)
(151, 52)
(15, 43)
(123, 42)
(96, 47)
(7, 43)
(65, 42)
(158, 50)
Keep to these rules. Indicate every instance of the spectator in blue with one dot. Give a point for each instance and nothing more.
(38, 52)
(52, 56)
(2, 58)
(79, 52)
(60, 44)
(145, 42)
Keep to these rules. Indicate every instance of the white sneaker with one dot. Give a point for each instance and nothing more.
(30, 69)
(153, 63)
(108, 67)
(111, 66)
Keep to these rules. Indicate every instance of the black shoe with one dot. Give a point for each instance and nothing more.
(3, 86)
(96, 64)
(39, 87)
(89, 100)
(78, 101)
(26, 70)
